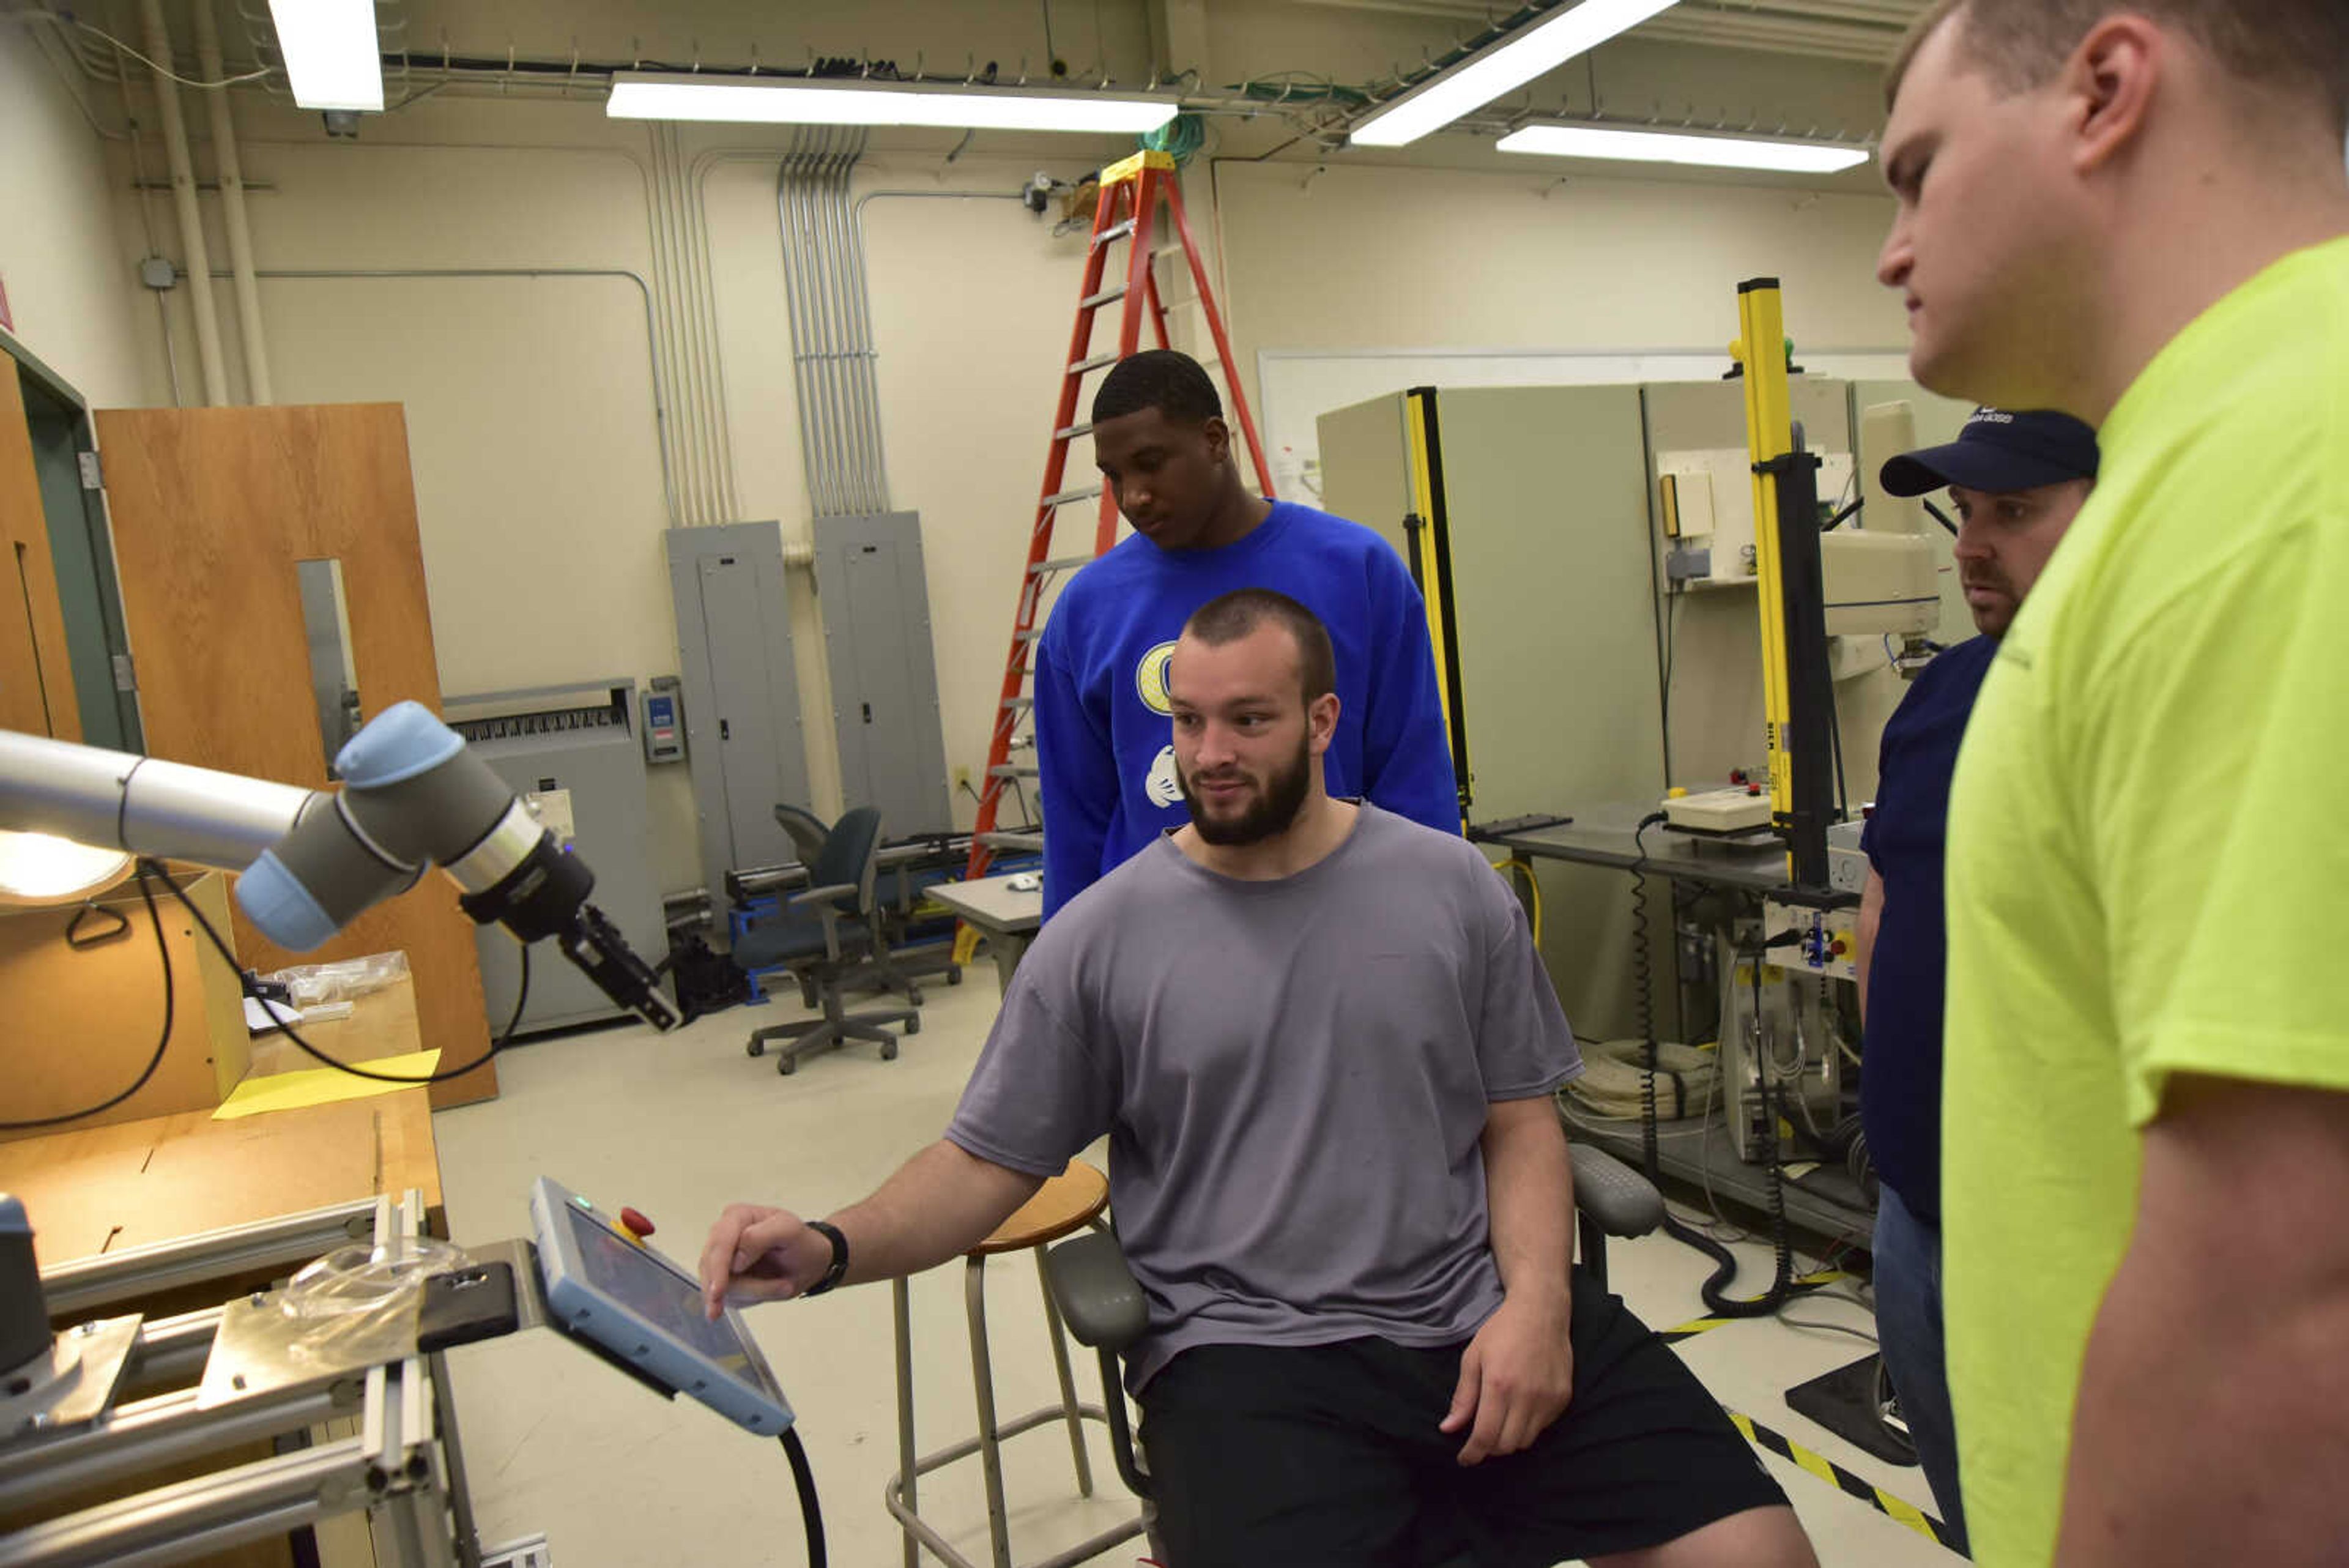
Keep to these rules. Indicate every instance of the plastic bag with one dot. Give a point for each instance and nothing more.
(344, 980)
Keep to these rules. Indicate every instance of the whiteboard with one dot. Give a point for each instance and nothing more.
(1297, 386)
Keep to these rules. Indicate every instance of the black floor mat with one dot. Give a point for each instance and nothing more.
(1845, 1402)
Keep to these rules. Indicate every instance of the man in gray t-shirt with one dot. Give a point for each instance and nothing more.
(1322, 1047)
(1295, 1076)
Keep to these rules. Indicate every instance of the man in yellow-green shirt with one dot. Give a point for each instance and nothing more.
(2137, 215)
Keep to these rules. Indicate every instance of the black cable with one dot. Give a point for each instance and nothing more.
(1835, 736)
(521, 996)
(811, 1514)
(1716, 1299)
(1939, 516)
(162, 1043)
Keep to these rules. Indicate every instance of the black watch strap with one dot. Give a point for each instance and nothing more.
(839, 1266)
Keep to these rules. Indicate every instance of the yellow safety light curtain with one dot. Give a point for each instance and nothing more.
(1769, 434)
(1430, 566)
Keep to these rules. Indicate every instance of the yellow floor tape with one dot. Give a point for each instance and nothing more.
(1896, 1508)
(1893, 1508)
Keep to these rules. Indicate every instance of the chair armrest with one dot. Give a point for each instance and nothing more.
(830, 894)
(1622, 1201)
(1095, 1291)
(754, 881)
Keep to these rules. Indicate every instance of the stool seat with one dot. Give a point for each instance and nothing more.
(1066, 1202)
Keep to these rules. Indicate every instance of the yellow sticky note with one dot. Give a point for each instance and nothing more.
(322, 1086)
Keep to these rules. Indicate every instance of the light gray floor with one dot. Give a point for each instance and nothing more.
(679, 1125)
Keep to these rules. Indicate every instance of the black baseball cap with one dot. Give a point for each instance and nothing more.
(2000, 452)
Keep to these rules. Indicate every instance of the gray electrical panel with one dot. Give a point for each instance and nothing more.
(573, 752)
(885, 681)
(743, 743)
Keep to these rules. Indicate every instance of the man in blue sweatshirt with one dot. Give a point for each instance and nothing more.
(1105, 766)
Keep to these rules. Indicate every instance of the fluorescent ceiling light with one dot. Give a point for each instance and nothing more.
(1502, 66)
(770, 100)
(331, 55)
(1663, 147)
(42, 869)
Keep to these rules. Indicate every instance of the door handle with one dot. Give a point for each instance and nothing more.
(725, 730)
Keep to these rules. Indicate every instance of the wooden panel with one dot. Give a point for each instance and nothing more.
(138, 1183)
(84, 1022)
(211, 509)
(36, 690)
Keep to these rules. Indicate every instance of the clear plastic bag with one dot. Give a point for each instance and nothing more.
(315, 984)
(358, 1303)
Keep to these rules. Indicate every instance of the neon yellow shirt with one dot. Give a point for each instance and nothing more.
(2143, 878)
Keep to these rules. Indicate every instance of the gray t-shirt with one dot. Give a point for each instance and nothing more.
(1294, 1077)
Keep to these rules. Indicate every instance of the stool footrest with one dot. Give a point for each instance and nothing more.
(893, 1497)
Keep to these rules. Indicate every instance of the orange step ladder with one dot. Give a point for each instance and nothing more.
(1127, 209)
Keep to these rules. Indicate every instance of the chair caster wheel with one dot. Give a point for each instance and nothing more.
(913, 996)
(954, 975)
(889, 1051)
(787, 1065)
(913, 1026)
(757, 1048)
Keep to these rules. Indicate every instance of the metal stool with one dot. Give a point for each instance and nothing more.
(1068, 1202)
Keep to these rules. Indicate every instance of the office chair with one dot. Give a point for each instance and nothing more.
(1103, 1306)
(825, 931)
(886, 966)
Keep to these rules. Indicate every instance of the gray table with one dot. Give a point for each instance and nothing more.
(1607, 836)
(1007, 918)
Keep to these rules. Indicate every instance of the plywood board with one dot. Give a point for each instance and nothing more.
(138, 1183)
(212, 510)
(82, 1022)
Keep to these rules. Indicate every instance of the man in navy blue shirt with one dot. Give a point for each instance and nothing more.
(2016, 480)
(1105, 768)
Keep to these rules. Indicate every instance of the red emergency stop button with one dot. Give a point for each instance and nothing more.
(639, 1226)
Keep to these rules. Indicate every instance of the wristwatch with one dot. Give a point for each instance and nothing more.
(839, 1265)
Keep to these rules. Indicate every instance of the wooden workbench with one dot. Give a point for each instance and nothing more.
(104, 1188)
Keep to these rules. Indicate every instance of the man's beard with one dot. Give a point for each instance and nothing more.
(1271, 813)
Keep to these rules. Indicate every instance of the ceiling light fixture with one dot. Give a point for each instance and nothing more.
(852, 101)
(332, 58)
(1672, 147)
(1503, 66)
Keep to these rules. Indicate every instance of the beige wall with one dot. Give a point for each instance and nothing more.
(70, 288)
(1409, 258)
(530, 402)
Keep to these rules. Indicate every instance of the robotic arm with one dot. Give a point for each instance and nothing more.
(314, 860)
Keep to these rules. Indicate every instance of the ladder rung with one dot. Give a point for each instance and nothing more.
(1095, 363)
(1011, 771)
(1083, 492)
(1105, 296)
(1029, 635)
(1034, 843)
(1116, 230)
(1065, 563)
(1014, 704)
(1071, 432)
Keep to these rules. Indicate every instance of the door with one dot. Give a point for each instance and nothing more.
(36, 686)
(877, 632)
(742, 684)
(214, 510)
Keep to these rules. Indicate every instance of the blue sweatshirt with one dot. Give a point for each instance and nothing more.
(1105, 734)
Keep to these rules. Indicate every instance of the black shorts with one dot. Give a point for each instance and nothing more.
(1300, 1455)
